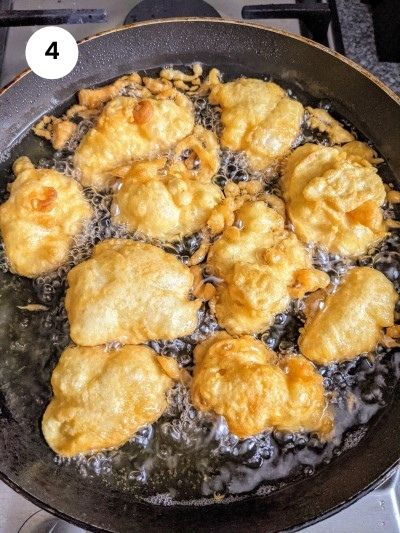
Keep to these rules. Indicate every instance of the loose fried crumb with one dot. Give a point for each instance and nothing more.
(389, 342)
(81, 111)
(170, 366)
(392, 224)
(177, 75)
(393, 197)
(231, 189)
(156, 85)
(213, 79)
(393, 331)
(56, 130)
(181, 85)
(321, 120)
(313, 302)
(33, 307)
(95, 98)
(222, 216)
(200, 254)
(308, 280)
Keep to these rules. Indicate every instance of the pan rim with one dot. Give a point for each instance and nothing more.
(297, 527)
(386, 474)
(352, 64)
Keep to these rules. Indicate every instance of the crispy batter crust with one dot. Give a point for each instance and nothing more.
(131, 292)
(258, 118)
(124, 132)
(334, 197)
(38, 222)
(262, 266)
(245, 382)
(100, 399)
(350, 321)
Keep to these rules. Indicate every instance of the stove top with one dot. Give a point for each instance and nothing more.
(375, 512)
(351, 30)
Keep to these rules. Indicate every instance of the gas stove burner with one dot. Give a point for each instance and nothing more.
(156, 9)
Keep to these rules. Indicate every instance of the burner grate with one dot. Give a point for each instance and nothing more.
(4, 5)
(160, 9)
(314, 16)
(47, 17)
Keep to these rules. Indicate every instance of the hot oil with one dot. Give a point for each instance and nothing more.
(189, 456)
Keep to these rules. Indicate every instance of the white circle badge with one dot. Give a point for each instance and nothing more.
(51, 52)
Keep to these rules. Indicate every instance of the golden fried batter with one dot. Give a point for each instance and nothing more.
(259, 118)
(129, 129)
(60, 130)
(334, 196)
(95, 98)
(102, 398)
(351, 319)
(260, 263)
(161, 204)
(245, 382)
(362, 151)
(40, 219)
(56, 130)
(321, 120)
(203, 160)
(130, 292)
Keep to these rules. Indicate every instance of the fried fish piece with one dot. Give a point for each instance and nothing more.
(130, 292)
(38, 222)
(245, 382)
(321, 120)
(130, 129)
(260, 264)
(258, 118)
(100, 399)
(334, 197)
(351, 319)
(163, 205)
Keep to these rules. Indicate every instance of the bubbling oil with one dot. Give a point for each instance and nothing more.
(188, 456)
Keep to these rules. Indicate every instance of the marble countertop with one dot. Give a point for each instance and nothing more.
(358, 38)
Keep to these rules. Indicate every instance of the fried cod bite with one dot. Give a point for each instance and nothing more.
(351, 319)
(163, 207)
(100, 399)
(240, 379)
(167, 202)
(262, 266)
(320, 119)
(130, 292)
(38, 222)
(258, 118)
(334, 197)
(129, 129)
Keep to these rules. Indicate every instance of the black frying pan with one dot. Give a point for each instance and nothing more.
(26, 463)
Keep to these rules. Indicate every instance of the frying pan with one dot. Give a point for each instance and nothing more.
(237, 48)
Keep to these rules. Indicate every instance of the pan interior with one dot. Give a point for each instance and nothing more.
(186, 457)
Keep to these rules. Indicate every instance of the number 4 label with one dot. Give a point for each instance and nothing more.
(51, 52)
